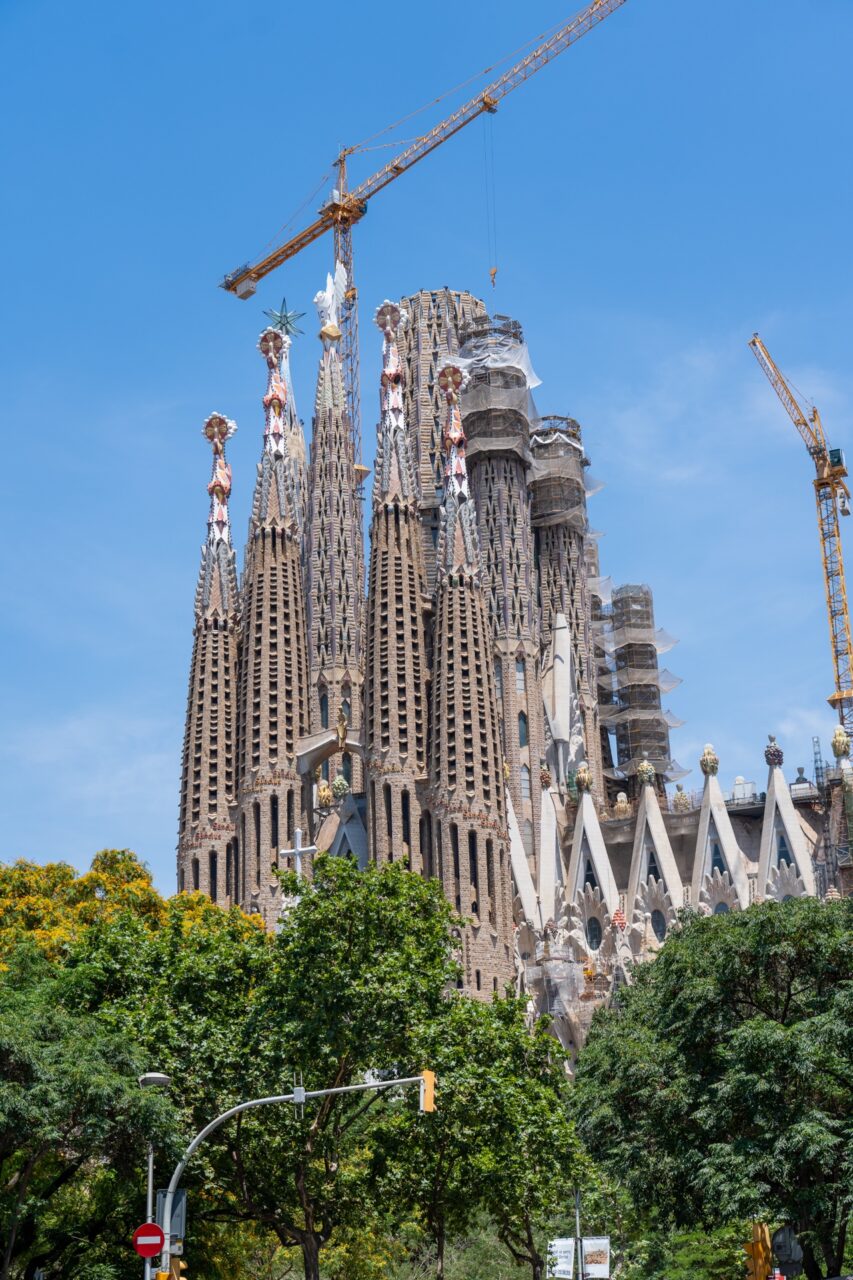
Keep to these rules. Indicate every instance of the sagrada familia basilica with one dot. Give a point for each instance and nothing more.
(489, 710)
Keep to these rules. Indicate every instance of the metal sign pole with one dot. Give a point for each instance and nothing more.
(578, 1236)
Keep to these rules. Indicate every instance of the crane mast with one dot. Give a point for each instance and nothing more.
(345, 207)
(831, 496)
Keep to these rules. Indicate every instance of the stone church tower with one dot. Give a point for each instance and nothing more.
(273, 686)
(396, 697)
(467, 782)
(207, 854)
(335, 546)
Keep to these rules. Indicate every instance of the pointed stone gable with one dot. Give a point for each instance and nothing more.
(652, 852)
(717, 850)
(782, 839)
(589, 862)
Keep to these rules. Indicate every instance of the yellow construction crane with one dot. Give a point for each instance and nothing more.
(832, 496)
(345, 207)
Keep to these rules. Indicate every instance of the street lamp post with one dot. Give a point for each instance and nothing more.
(151, 1080)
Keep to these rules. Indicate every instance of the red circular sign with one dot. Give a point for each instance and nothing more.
(148, 1239)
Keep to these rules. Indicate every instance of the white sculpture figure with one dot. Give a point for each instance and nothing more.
(328, 301)
(562, 705)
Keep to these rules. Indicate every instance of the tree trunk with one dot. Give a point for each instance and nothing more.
(811, 1267)
(439, 1251)
(311, 1256)
(536, 1266)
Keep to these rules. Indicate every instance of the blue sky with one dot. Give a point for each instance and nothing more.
(675, 181)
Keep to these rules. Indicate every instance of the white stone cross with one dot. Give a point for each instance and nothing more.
(297, 851)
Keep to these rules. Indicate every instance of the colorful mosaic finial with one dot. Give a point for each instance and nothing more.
(394, 477)
(459, 545)
(217, 429)
(646, 771)
(773, 753)
(840, 743)
(709, 761)
(283, 470)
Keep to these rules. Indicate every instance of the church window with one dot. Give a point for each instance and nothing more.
(291, 824)
(477, 978)
(522, 729)
(439, 853)
(406, 814)
(274, 827)
(324, 710)
(527, 837)
(256, 813)
(594, 933)
(589, 877)
(213, 869)
(195, 874)
(721, 909)
(346, 769)
(653, 869)
(717, 863)
(389, 824)
(183, 880)
(473, 870)
(525, 782)
(499, 679)
(228, 870)
(520, 684)
(783, 852)
(659, 924)
(454, 846)
(346, 707)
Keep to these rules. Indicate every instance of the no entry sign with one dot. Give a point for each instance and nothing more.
(148, 1239)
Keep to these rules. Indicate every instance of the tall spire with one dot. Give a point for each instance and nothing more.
(335, 556)
(273, 686)
(396, 656)
(216, 593)
(208, 784)
(280, 490)
(458, 541)
(394, 480)
(466, 780)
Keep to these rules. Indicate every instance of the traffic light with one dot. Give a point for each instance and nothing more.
(758, 1252)
(177, 1268)
(427, 1102)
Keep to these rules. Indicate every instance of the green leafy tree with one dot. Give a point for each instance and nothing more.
(231, 1014)
(74, 1123)
(500, 1140)
(723, 1088)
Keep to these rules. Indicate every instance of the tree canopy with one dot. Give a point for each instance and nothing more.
(722, 1087)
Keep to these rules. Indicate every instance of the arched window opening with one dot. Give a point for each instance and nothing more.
(478, 979)
(346, 707)
(653, 869)
(213, 871)
(346, 767)
(324, 710)
(721, 909)
(406, 814)
(717, 863)
(520, 683)
(256, 814)
(499, 679)
(659, 924)
(183, 884)
(228, 869)
(195, 869)
(783, 853)
(522, 728)
(594, 933)
(389, 819)
(454, 845)
(525, 782)
(291, 822)
(274, 828)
